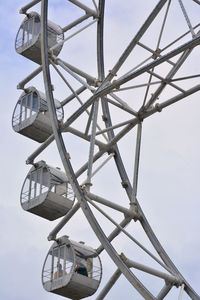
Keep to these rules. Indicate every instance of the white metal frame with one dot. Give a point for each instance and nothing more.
(104, 92)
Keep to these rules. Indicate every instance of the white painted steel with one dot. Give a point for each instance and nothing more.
(104, 95)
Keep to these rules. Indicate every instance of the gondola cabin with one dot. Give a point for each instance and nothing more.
(46, 192)
(71, 269)
(28, 39)
(31, 116)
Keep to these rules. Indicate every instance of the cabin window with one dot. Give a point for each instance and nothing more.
(26, 107)
(28, 30)
(58, 263)
(16, 117)
(36, 183)
(36, 27)
(88, 266)
(35, 103)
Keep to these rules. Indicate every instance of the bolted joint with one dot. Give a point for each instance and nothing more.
(117, 86)
(140, 116)
(51, 237)
(104, 118)
(124, 184)
(30, 162)
(156, 53)
(158, 107)
(123, 257)
(112, 73)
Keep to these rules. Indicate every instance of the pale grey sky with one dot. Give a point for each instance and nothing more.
(169, 172)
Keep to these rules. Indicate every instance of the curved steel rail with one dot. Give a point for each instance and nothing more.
(68, 168)
(101, 92)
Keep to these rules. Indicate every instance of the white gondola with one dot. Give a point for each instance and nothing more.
(28, 39)
(71, 269)
(31, 116)
(46, 193)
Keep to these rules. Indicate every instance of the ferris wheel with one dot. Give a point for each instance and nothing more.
(94, 108)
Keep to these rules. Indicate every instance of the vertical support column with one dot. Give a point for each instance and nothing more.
(92, 143)
(136, 164)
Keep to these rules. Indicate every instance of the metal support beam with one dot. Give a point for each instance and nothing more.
(109, 285)
(22, 83)
(76, 22)
(165, 290)
(168, 277)
(29, 5)
(84, 7)
(92, 144)
(136, 164)
(188, 45)
(90, 79)
(135, 40)
(126, 211)
(61, 63)
(115, 233)
(73, 95)
(61, 224)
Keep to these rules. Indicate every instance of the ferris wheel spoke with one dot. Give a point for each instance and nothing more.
(73, 95)
(121, 229)
(76, 22)
(72, 35)
(163, 24)
(170, 75)
(135, 40)
(157, 50)
(168, 80)
(79, 100)
(184, 78)
(107, 143)
(125, 211)
(95, 5)
(109, 129)
(179, 38)
(91, 149)
(122, 105)
(139, 85)
(136, 164)
(135, 121)
(188, 45)
(186, 18)
(84, 7)
(90, 79)
(73, 74)
(129, 275)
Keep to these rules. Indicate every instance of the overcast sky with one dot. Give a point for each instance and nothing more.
(169, 172)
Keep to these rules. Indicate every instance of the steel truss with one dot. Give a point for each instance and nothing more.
(106, 93)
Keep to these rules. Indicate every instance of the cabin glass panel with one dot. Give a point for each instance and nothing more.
(36, 28)
(26, 107)
(59, 113)
(58, 186)
(88, 266)
(36, 183)
(28, 31)
(59, 263)
(17, 113)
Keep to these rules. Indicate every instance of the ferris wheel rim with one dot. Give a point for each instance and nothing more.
(85, 206)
